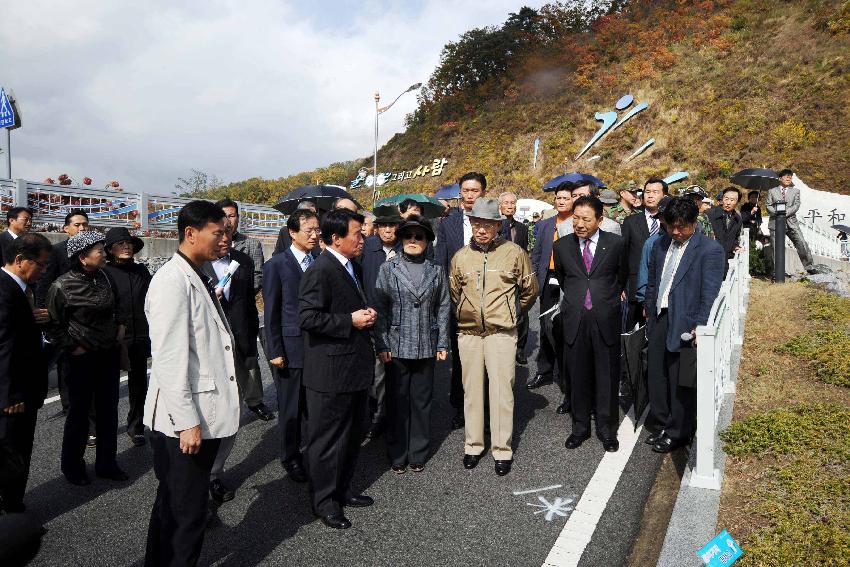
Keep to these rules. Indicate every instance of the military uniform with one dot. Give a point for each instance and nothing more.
(705, 225)
(619, 213)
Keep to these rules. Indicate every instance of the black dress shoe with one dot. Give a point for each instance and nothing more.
(564, 407)
(79, 480)
(295, 470)
(113, 474)
(539, 380)
(336, 521)
(574, 441)
(458, 420)
(91, 443)
(137, 439)
(220, 493)
(667, 445)
(262, 412)
(654, 438)
(359, 501)
(376, 429)
(471, 461)
(610, 445)
(521, 359)
(503, 467)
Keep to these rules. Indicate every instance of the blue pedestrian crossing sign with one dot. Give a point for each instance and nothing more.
(721, 551)
(7, 115)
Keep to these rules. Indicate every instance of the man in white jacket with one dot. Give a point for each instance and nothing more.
(192, 401)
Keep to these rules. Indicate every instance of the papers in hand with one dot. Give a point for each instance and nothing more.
(231, 269)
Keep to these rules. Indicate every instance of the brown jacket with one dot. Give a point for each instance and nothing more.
(486, 286)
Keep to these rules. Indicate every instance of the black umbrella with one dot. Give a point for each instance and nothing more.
(323, 195)
(842, 228)
(633, 360)
(756, 178)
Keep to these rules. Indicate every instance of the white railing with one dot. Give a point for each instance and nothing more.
(821, 241)
(716, 343)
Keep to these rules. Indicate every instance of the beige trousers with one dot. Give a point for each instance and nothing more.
(496, 354)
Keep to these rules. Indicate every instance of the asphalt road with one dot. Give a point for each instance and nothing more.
(443, 516)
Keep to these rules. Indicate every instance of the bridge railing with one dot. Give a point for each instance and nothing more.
(716, 343)
(108, 207)
(821, 241)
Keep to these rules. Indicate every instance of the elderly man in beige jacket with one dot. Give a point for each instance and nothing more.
(488, 279)
(192, 401)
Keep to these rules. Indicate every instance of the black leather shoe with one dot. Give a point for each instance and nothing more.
(137, 439)
(458, 421)
(79, 480)
(539, 380)
(471, 461)
(667, 445)
(574, 441)
(359, 501)
(564, 407)
(610, 445)
(91, 443)
(220, 493)
(521, 359)
(114, 474)
(295, 470)
(376, 429)
(503, 467)
(336, 521)
(655, 438)
(262, 412)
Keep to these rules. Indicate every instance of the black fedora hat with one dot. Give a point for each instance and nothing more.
(121, 234)
(415, 221)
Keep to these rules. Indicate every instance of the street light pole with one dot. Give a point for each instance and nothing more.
(378, 111)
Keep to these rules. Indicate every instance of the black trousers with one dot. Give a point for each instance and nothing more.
(671, 407)
(137, 386)
(594, 369)
(93, 376)
(59, 358)
(18, 431)
(456, 392)
(410, 388)
(521, 330)
(548, 355)
(179, 515)
(290, 411)
(336, 426)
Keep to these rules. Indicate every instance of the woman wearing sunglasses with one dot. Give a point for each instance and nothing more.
(412, 301)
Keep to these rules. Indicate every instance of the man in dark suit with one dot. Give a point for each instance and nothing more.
(550, 352)
(590, 266)
(338, 368)
(636, 230)
(727, 223)
(516, 232)
(19, 220)
(284, 345)
(283, 239)
(751, 215)
(23, 370)
(377, 249)
(685, 273)
(453, 233)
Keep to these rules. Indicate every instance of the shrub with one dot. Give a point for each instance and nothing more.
(827, 350)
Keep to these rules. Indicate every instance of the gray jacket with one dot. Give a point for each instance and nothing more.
(792, 200)
(253, 248)
(413, 320)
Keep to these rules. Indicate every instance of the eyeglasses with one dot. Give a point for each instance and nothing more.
(413, 236)
(477, 225)
(316, 231)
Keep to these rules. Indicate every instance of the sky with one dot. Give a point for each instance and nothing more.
(143, 92)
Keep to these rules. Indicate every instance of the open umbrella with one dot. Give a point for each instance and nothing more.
(576, 179)
(756, 178)
(633, 360)
(323, 195)
(842, 228)
(431, 208)
(448, 192)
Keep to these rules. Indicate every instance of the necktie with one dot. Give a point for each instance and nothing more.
(654, 227)
(30, 296)
(305, 262)
(783, 193)
(587, 256)
(350, 269)
(667, 274)
(728, 221)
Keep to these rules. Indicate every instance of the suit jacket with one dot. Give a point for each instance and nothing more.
(606, 281)
(338, 357)
(23, 368)
(56, 266)
(281, 281)
(413, 318)
(693, 290)
(727, 237)
(193, 374)
(449, 238)
(372, 258)
(241, 309)
(750, 220)
(253, 248)
(521, 233)
(542, 251)
(635, 232)
(792, 200)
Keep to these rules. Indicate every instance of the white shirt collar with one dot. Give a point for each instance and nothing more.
(14, 234)
(342, 259)
(594, 238)
(299, 255)
(18, 280)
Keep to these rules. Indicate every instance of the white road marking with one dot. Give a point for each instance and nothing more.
(579, 528)
(519, 492)
(57, 398)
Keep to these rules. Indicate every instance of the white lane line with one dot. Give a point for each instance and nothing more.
(519, 492)
(580, 526)
(56, 398)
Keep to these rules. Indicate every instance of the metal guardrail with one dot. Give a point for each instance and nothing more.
(716, 342)
(820, 241)
(106, 207)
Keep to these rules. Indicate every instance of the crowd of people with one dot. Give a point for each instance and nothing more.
(344, 288)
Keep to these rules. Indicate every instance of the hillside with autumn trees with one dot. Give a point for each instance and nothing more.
(729, 83)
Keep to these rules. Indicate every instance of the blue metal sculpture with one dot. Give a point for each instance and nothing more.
(608, 119)
(641, 149)
(676, 177)
(536, 151)
(639, 108)
(624, 102)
